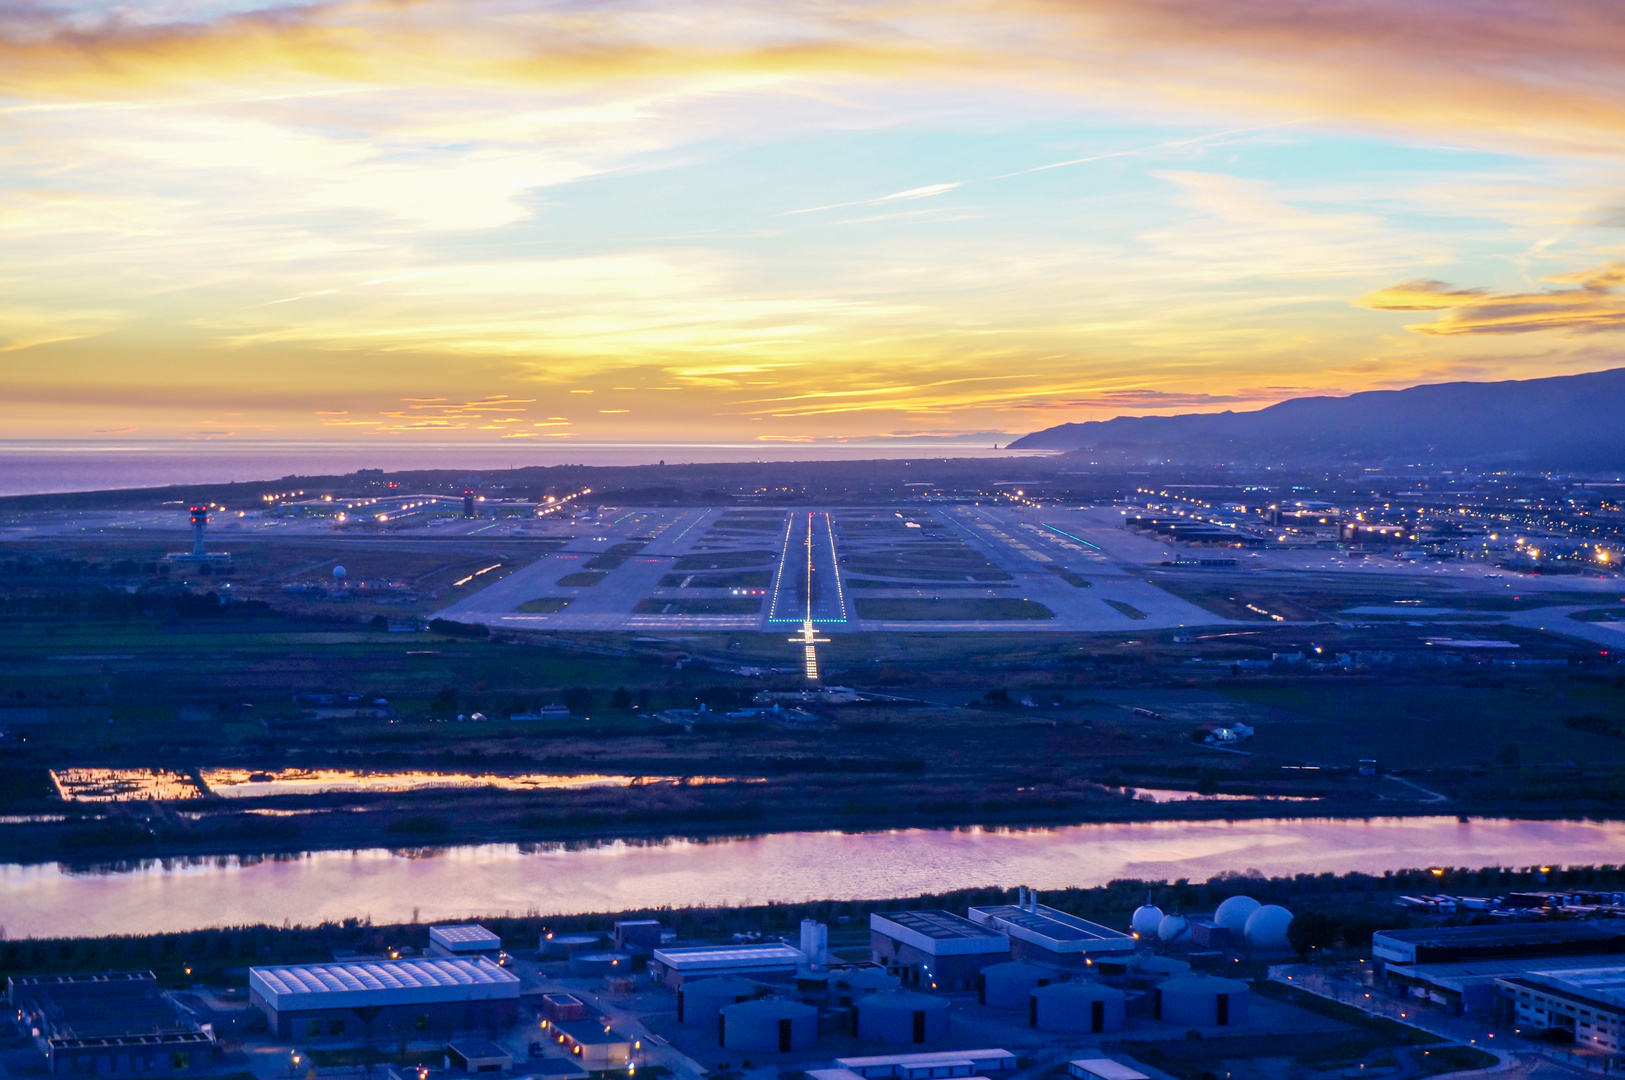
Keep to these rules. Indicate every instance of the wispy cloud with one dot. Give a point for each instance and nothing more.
(1592, 306)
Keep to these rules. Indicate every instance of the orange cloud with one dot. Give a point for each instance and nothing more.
(1592, 307)
(1535, 74)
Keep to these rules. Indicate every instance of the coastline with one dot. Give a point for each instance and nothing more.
(21, 845)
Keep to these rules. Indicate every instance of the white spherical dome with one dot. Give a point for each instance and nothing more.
(338, 571)
(1174, 928)
(1234, 913)
(1266, 928)
(1146, 919)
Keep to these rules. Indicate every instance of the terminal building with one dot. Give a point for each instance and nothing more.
(934, 949)
(113, 1024)
(366, 1000)
(1043, 935)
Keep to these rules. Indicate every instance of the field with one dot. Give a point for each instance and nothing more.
(1008, 690)
(996, 608)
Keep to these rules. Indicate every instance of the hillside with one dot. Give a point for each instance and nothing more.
(1566, 420)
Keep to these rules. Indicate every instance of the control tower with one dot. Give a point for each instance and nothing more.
(200, 524)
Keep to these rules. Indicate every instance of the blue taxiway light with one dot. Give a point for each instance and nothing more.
(1069, 536)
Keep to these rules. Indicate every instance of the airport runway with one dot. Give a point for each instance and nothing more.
(1026, 543)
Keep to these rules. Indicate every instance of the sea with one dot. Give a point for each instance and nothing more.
(36, 467)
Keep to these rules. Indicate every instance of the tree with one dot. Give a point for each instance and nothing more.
(578, 699)
(1311, 930)
(621, 698)
(379, 622)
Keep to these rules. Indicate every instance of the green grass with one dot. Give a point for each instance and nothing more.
(1077, 581)
(1441, 723)
(739, 579)
(723, 605)
(870, 583)
(545, 605)
(582, 578)
(959, 609)
(722, 560)
(372, 1055)
(1391, 1031)
(1599, 615)
(605, 562)
(1448, 1059)
(1126, 609)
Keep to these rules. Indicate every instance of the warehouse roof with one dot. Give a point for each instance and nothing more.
(1462, 973)
(1054, 930)
(321, 986)
(590, 1033)
(1499, 934)
(470, 937)
(938, 933)
(728, 957)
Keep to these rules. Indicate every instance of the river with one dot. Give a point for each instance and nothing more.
(390, 886)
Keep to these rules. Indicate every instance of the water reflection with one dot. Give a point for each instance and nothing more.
(146, 896)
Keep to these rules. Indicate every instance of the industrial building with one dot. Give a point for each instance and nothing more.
(467, 940)
(563, 1007)
(479, 1056)
(902, 1017)
(1102, 1069)
(638, 934)
(933, 1066)
(1470, 986)
(937, 949)
(772, 961)
(1585, 1004)
(118, 1023)
(372, 999)
(699, 1001)
(767, 1024)
(595, 1046)
(1440, 944)
(1200, 1001)
(1077, 1006)
(1046, 936)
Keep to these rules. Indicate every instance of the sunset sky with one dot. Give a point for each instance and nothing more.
(774, 220)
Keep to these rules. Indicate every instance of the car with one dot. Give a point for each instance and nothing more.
(536, 1049)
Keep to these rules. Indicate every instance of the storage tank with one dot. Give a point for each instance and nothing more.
(601, 963)
(1008, 985)
(1233, 914)
(1200, 1001)
(766, 1025)
(1266, 928)
(1146, 971)
(1174, 928)
(1145, 919)
(699, 1001)
(845, 987)
(563, 946)
(904, 1017)
(1077, 1006)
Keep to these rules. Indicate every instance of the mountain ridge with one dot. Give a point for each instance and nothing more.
(1561, 420)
